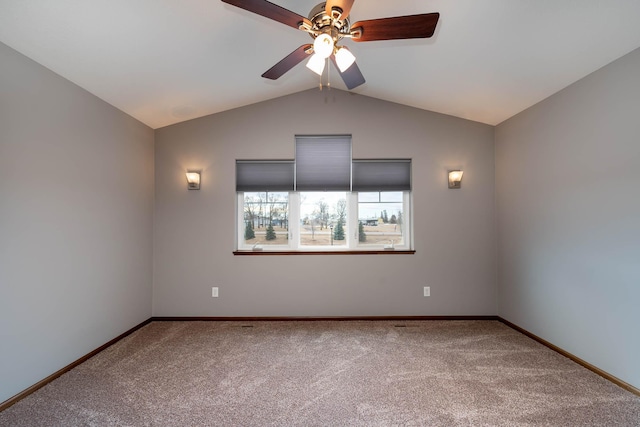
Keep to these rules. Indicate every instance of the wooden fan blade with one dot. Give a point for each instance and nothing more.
(399, 27)
(352, 76)
(344, 6)
(288, 62)
(271, 11)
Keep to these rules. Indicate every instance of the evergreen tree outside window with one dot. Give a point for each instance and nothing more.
(338, 233)
(271, 234)
(362, 236)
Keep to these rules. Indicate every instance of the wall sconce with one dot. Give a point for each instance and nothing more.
(455, 179)
(193, 180)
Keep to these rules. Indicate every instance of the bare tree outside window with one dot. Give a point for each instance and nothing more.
(318, 211)
(341, 211)
(323, 214)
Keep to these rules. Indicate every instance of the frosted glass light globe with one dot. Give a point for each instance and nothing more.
(344, 59)
(323, 45)
(316, 64)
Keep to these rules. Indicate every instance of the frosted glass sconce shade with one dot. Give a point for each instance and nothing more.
(193, 180)
(455, 179)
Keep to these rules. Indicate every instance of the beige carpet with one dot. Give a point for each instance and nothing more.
(327, 373)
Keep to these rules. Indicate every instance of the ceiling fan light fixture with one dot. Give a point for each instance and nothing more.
(323, 45)
(344, 59)
(316, 64)
(328, 23)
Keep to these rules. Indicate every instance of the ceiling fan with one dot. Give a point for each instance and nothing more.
(327, 24)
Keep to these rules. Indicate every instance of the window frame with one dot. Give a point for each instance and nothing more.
(240, 219)
(407, 234)
(352, 245)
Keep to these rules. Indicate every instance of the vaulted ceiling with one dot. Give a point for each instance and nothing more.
(166, 61)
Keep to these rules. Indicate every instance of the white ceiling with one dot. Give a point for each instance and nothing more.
(166, 61)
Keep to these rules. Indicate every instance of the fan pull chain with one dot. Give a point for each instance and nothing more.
(328, 67)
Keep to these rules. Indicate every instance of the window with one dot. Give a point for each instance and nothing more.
(323, 219)
(265, 219)
(381, 219)
(323, 201)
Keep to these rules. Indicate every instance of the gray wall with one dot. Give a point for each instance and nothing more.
(454, 229)
(76, 209)
(568, 209)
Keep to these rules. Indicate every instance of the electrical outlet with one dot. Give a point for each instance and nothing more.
(427, 291)
(214, 292)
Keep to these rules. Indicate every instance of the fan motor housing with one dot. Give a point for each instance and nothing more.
(336, 26)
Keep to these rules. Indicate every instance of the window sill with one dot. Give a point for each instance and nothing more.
(372, 252)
